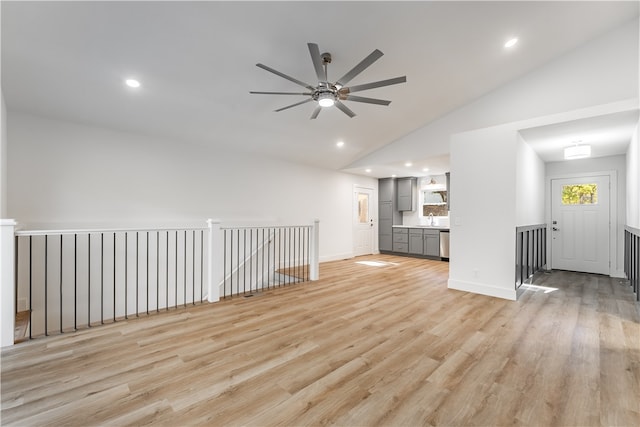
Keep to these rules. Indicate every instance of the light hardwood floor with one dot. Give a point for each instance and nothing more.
(366, 345)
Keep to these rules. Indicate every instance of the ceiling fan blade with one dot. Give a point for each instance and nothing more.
(294, 105)
(366, 100)
(316, 112)
(372, 85)
(373, 57)
(344, 109)
(317, 61)
(284, 76)
(281, 93)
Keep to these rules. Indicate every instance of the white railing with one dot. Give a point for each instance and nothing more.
(72, 279)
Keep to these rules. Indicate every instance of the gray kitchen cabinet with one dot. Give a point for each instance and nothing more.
(448, 175)
(432, 243)
(388, 214)
(386, 190)
(406, 191)
(401, 240)
(416, 244)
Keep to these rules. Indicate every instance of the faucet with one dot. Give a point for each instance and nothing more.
(431, 219)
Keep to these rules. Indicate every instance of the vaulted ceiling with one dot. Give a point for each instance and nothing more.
(196, 64)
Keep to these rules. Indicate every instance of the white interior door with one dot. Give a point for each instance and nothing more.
(363, 221)
(580, 224)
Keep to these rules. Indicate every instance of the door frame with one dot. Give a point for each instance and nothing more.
(373, 212)
(613, 214)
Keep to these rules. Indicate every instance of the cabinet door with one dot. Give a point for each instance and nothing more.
(385, 211)
(386, 190)
(416, 244)
(432, 245)
(385, 226)
(385, 242)
(405, 194)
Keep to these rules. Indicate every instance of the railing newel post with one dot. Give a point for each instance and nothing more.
(7, 267)
(214, 260)
(314, 256)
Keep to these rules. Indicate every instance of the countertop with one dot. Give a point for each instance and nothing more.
(428, 227)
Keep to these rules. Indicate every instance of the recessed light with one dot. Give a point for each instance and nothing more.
(132, 83)
(408, 164)
(367, 170)
(340, 144)
(511, 42)
(394, 175)
(425, 169)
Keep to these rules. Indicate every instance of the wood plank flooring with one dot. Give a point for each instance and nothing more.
(379, 340)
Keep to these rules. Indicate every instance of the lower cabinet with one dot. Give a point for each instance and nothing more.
(401, 240)
(432, 243)
(417, 241)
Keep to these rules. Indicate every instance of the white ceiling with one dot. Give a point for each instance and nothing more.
(196, 62)
(607, 135)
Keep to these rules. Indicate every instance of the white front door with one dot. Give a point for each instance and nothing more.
(362, 221)
(580, 224)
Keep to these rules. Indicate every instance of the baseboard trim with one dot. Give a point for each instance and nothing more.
(482, 289)
(336, 257)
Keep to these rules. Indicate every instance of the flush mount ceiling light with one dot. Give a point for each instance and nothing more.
(132, 83)
(328, 94)
(510, 43)
(577, 152)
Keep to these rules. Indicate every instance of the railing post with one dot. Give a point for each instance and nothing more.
(214, 260)
(7, 282)
(314, 256)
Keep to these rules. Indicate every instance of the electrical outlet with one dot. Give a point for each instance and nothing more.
(475, 273)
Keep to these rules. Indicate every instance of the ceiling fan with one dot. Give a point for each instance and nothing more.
(327, 94)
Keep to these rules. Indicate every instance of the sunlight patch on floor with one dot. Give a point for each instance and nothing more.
(376, 263)
(536, 288)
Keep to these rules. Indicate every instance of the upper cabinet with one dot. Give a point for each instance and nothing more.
(407, 188)
(386, 190)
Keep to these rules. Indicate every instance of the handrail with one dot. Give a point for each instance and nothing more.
(632, 230)
(522, 228)
(102, 230)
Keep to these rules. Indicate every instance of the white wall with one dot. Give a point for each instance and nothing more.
(482, 212)
(530, 185)
(601, 164)
(633, 181)
(581, 78)
(69, 175)
(3, 160)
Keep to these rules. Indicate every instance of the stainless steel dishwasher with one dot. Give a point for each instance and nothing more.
(444, 244)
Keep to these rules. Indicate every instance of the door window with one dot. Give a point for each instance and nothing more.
(363, 208)
(580, 194)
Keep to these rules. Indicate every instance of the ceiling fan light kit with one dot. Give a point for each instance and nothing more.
(328, 94)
